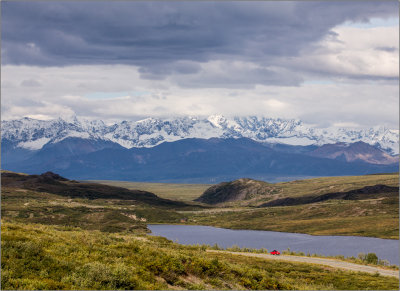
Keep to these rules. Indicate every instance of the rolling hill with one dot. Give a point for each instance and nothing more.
(257, 193)
(55, 184)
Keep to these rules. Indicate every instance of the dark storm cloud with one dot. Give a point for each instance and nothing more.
(164, 38)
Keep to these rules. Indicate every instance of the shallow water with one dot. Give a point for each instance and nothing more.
(385, 249)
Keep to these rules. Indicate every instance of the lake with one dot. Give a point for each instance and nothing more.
(386, 249)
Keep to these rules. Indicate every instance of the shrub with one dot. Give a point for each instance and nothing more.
(384, 262)
(216, 247)
(371, 258)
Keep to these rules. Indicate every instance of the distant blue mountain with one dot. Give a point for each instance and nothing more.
(186, 160)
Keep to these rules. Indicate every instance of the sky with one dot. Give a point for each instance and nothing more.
(327, 63)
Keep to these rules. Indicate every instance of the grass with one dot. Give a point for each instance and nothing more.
(182, 192)
(36, 256)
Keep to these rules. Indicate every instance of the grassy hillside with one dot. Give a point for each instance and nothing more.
(367, 192)
(55, 184)
(298, 188)
(46, 257)
(182, 192)
(242, 193)
(325, 185)
(31, 199)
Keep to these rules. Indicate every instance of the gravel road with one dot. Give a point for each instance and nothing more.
(321, 261)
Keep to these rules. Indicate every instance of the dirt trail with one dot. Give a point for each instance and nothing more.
(321, 261)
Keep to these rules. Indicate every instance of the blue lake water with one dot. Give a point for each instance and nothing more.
(385, 249)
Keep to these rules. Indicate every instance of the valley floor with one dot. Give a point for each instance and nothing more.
(51, 239)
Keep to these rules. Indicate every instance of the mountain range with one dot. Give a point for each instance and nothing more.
(31, 134)
(191, 149)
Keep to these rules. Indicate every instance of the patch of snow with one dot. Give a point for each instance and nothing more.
(217, 120)
(34, 144)
(302, 141)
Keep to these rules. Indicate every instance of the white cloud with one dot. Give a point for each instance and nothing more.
(114, 92)
(63, 90)
(353, 52)
(275, 104)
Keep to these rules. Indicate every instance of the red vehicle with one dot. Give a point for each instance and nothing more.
(275, 252)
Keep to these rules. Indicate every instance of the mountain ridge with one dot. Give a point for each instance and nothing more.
(32, 134)
(188, 160)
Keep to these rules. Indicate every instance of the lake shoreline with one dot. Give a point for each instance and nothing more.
(386, 249)
(254, 229)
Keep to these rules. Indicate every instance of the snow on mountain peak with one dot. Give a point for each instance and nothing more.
(217, 120)
(33, 134)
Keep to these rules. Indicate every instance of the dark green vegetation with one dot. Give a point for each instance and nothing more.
(52, 257)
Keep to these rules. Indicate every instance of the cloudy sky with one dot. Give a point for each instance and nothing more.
(326, 63)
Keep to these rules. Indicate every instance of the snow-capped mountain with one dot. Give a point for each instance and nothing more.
(31, 134)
